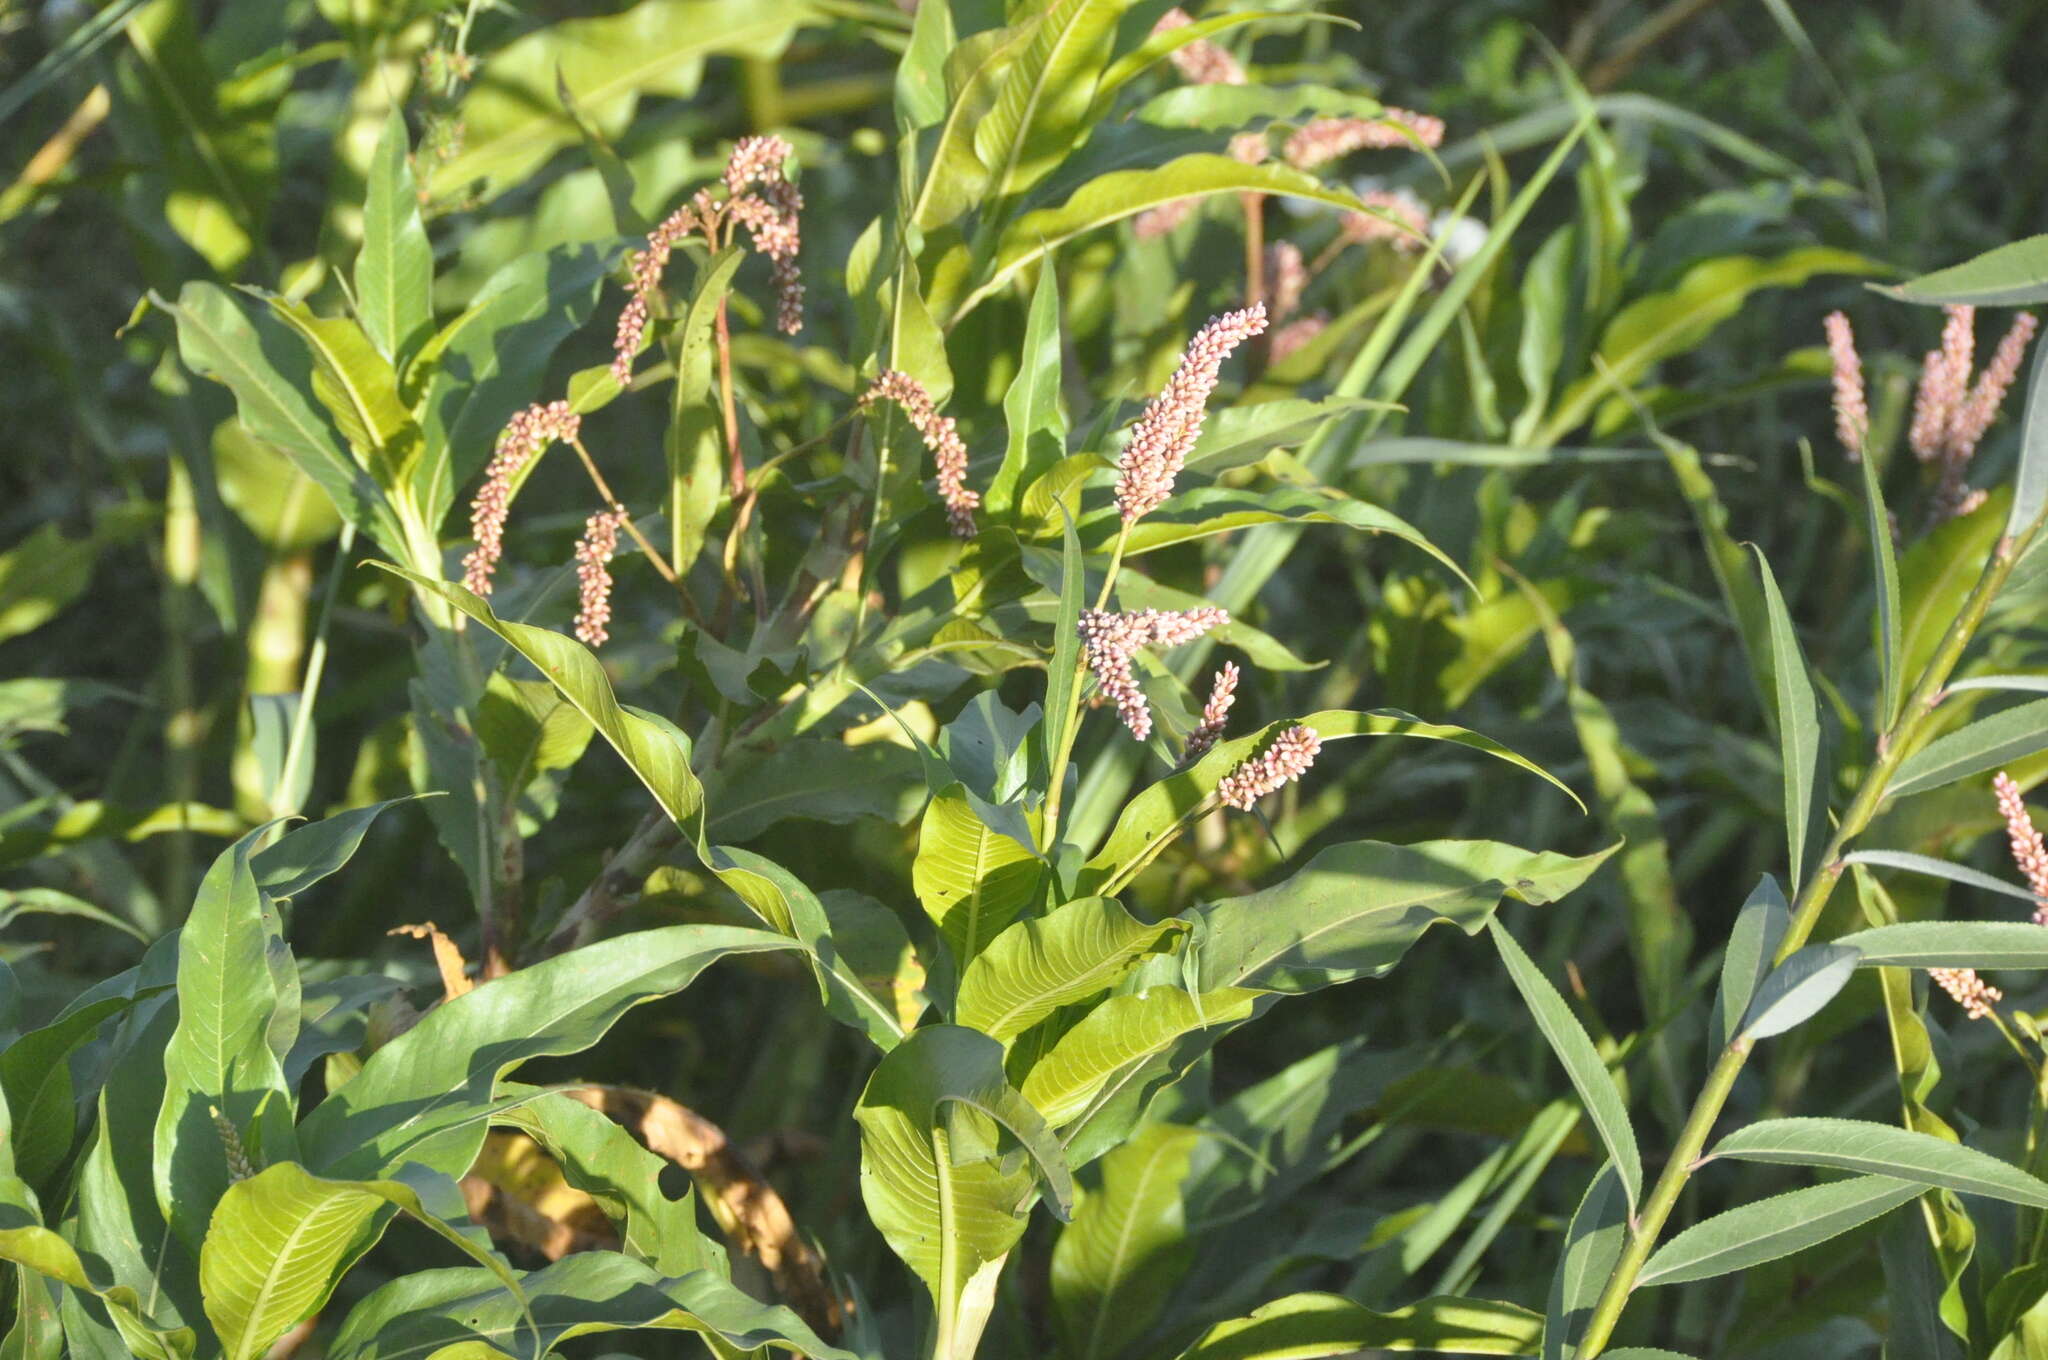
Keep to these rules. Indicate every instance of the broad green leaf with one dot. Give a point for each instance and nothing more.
(465, 1314)
(271, 376)
(932, 1179)
(1207, 511)
(1877, 526)
(1079, 950)
(1797, 988)
(359, 388)
(513, 121)
(1231, 108)
(1938, 868)
(2008, 276)
(307, 854)
(1662, 325)
(820, 780)
(1770, 1228)
(598, 1156)
(421, 1097)
(1126, 193)
(1798, 723)
(1881, 1150)
(281, 1240)
(973, 73)
(1939, 570)
(41, 576)
(1593, 1243)
(1307, 1325)
(1032, 407)
(1986, 744)
(38, 1251)
(394, 274)
(1582, 1062)
(1951, 944)
(1752, 948)
(1041, 107)
(1161, 44)
(1112, 1046)
(1116, 1264)
(2030, 485)
(1237, 435)
(971, 879)
(1354, 910)
(220, 1060)
(1155, 816)
(37, 1089)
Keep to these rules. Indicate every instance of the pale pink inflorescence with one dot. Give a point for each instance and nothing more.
(1200, 62)
(1297, 335)
(1215, 713)
(1110, 640)
(2028, 851)
(1287, 278)
(941, 435)
(1325, 139)
(1398, 219)
(1950, 416)
(1972, 993)
(1852, 411)
(524, 437)
(593, 576)
(1167, 430)
(1285, 761)
(1975, 415)
(1154, 223)
(647, 268)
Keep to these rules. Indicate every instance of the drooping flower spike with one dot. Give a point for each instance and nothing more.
(1285, 761)
(1167, 430)
(1852, 411)
(941, 435)
(1200, 62)
(1325, 139)
(1215, 713)
(525, 436)
(2028, 851)
(1110, 640)
(594, 578)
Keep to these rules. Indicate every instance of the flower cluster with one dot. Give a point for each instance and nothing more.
(770, 215)
(1167, 430)
(1200, 62)
(2028, 852)
(1285, 761)
(1395, 217)
(1972, 993)
(1222, 694)
(1852, 412)
(1950, 415)
(1110, 640)
(525, 436)
(593, 576)
(941, 436)
(1325, 139)
(1287, 278)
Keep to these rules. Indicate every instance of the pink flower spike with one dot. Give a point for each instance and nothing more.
(1944, 384)
(1215, 713)
(1285, 761)
(524, 438)
(1852, 412)
(756, 160)
(1200, 62)
(1287, 275)
(1975, 415)
(1167, 430)
(941, 435)
(1110, 640)
(1325, 139)
(593, 577)
(1298, 334)
(1972, 993)
(2028, 851)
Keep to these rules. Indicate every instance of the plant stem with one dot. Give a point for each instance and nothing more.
(1070, 720)
(1892, 749)
(661, 564)
(316, 666)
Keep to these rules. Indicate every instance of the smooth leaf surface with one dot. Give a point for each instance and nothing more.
(1079, 950)
(1767, 1229)
(1951, 944)
(1882, 1150)
(1115, 1266)
(1305, 1325)
(2007, 276)
(1798, 723)
(1797, 988)
(394, 273)
(1986, 744)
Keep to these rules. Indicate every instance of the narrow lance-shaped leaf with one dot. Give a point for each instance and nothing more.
(2008, 276)
(1938, 868)
(1770, 1228)
(394, 273)
(1798, 723)
(1116, 1264)
(1877, 525)
(1797, 988)
(1985, 744)
(1882, 1150)
(1307, 1325)
(1951, 944)
(1582, 1062)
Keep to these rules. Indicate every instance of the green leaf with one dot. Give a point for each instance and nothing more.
(281, 1240)
(2008, 276)
(1232, 108)
(1160, 44)
(2023, 684)
(1593, 1243)
(395, 268)
(1938, 572)
(220, 1058)
(1582, 1062)
(820, 780)
(931, 1177)
(420, 1097)
(34, 1248)
(37, 1090)
(1032, 408)
(971, 879)
(1237, 435)
(1770, 1228)
(1877, 526)
(513, 122)
(359, 388)
(1881, 1150)
(1985, 744)
(1951, 944)
(1156, 815)
(1798, 723)
(694, 442)
(1080, 950)
(272, 379)
(307, 854)
(1113, 1046)
(466, 1314)
(1306, 1325)
(1117, 1263)
(1797, 988)
(973, 71)
(1207, 511)
(1041, 107)
(41, 576)
(1938, 868)
(1752, 947)
(1354, 910)
(2030, 485)
(1126, 193)
(1662, 325)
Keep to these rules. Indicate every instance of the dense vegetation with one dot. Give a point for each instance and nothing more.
(802, 675)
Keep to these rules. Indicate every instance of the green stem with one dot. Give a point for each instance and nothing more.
(1893, 747)
(1070, 721)
(316, 665)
